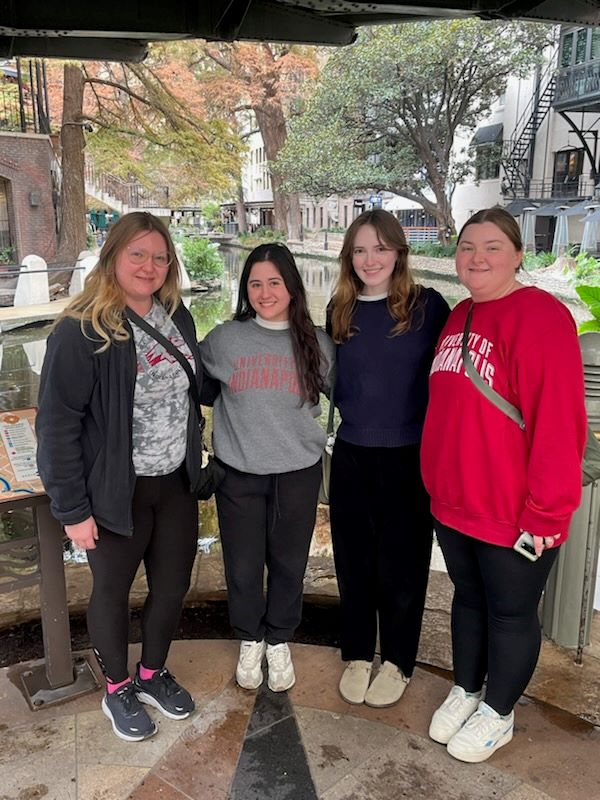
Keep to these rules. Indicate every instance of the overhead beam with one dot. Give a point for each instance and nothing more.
(78, 47)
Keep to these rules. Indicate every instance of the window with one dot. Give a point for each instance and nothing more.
(486, 145)
(581, 46)
(568, 166)
(595, 48)
(487, 161)
(566, 55)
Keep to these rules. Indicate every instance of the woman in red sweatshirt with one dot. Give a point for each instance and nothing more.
(490, 480)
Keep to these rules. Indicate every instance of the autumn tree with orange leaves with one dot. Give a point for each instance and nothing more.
(269, 80)
(150, 122)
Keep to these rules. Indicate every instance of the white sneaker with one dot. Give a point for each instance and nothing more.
(355, 681)
(281, 669)
(248, 673)
(388, 686)
(481, 735)
(452, 714)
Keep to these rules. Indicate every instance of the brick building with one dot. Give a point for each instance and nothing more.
(27, 214)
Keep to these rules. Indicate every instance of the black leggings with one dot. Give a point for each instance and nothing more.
(495, 627)
(165, 534)
(266, 521)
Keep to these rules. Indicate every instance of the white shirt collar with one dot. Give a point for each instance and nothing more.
(272, 326)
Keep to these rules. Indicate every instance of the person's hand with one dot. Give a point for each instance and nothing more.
(541, 542)
(84, 534)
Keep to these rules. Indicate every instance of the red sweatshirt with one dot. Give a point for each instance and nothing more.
(488, 478)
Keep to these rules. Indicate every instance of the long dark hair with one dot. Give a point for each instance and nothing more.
(307, 352)
(403, 294)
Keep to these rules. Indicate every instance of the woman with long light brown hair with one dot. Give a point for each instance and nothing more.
(386, 327)
(119, 453)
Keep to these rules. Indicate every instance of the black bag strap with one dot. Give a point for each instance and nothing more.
(486, 390)
(174, 351)
(330, 431)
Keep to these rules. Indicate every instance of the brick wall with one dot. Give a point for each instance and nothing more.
(25, 160)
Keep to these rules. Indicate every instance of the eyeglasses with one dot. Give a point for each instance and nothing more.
(139, 257)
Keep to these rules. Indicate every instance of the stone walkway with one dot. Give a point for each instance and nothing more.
(301, 745)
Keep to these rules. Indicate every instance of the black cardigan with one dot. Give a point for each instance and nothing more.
(84, 424)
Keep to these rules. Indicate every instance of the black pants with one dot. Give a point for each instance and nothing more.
(495, 627)
(165, 535)
(266, 520)
(382, 531)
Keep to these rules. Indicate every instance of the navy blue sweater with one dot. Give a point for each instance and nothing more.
(382, 381)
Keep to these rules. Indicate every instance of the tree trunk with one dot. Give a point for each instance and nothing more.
(240, 207)
(72, 232)
(295, 216)
(445, 220)
(271, 123)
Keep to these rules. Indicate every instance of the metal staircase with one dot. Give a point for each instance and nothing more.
(518, 151)
(124, 196)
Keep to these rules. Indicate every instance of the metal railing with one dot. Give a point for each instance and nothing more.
(130, 193)
(578, 83)
(580, 188)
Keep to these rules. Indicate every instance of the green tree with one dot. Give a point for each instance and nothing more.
(386, 111)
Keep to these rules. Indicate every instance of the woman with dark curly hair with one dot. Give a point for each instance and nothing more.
(271, 363)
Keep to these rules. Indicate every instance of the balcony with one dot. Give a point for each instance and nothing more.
(578, 88)
(581, 188)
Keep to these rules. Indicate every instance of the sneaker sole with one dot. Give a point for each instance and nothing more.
(126, 737)
(149, 700)
(476, 758)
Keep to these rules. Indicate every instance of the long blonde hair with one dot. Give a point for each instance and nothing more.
(403, 295)
(102, 301)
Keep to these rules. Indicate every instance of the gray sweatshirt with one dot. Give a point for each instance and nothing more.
(259, 423)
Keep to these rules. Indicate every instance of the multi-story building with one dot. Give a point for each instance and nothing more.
(332, 213)
(539, 147)
(28, 165)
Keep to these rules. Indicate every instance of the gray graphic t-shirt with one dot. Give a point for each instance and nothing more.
(161, 400)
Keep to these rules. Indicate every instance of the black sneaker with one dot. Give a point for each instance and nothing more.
(163, 692)
(129, 718)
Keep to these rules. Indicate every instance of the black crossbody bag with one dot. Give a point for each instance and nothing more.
(212, 473)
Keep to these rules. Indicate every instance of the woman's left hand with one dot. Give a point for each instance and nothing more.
(541, 542)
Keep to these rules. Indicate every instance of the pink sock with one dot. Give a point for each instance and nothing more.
(146, 674)
(112, 687)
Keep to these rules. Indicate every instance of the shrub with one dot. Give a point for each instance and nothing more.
(7, 255)
(586, 267)
(433, 249)
(533, 261)
(202, 259)
(261, 235)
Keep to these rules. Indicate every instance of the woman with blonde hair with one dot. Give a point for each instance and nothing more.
(386, 327)
(119, 454)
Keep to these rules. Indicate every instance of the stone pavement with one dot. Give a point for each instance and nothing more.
(301, 745)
